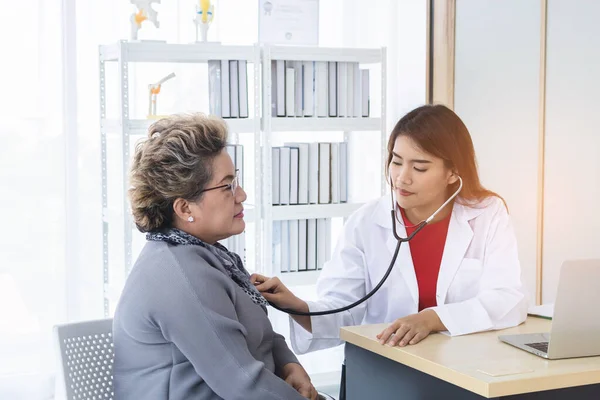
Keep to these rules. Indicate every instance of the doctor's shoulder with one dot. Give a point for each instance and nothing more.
(490, 203)
(362, 221)
(370, 211)
(490, 208)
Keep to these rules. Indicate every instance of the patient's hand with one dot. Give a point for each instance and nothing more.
(295, 375)
(277, 293)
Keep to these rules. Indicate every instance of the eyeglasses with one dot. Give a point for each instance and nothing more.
(232, 186)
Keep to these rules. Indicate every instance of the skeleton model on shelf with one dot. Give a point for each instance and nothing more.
(205, 13)
(145, 12)
(153, 91)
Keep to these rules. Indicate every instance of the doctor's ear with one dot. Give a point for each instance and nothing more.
(453, 178)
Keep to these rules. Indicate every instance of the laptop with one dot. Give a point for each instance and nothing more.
(575, 329)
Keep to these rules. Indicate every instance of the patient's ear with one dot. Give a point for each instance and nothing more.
(181, 208)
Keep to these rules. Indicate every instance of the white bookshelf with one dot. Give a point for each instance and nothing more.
(343, 124)
(140, 126)
(261, 125)
(310, 211)
(300, 278)
(273, 126)
(124, 51)
(308, 53)
(117, 220)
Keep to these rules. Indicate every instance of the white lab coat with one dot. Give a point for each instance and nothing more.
(479, 283)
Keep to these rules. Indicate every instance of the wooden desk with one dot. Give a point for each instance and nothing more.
(464, 367)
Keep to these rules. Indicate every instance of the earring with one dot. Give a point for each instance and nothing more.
(190, 219)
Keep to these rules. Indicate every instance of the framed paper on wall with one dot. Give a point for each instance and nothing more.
(293, 22)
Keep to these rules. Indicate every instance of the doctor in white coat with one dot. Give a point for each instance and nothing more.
(459, 274)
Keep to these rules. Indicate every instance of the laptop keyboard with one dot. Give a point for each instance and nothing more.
(541, 346)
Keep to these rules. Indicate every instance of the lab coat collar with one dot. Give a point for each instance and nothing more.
(462, 212)
(458, 239)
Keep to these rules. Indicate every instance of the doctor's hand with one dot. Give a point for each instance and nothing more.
(295, 375)
(411, 329)
(274, 291)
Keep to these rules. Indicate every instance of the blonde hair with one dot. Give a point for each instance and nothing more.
(175, 161)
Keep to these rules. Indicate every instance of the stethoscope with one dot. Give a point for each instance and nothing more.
(400, 240)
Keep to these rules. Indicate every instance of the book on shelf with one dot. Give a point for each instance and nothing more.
(214, 87)
(319, 89)
(225, 90)
(299, 87)
(278, 80)
(294, 246)
(310, 173)
(311, 245)
(342, 93)
(290, 90)
(234, 88)
(243, 88)
(275, 174)
(301, 169)
(349, 89)
(366, 102)
(294, 167)
(301, 245)
(313, 173)
(324, 173)
(332, 81)
(321, 243)
(308, 89)
(357, 91)
(284, 175)
(343, 170)
(228, 88)
(285, 246)
(334, 163)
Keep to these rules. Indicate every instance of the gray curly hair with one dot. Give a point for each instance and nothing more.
(175, 161)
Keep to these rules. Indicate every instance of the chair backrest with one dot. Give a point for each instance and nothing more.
(86, 356)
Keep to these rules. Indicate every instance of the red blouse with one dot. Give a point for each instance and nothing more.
(427, 248)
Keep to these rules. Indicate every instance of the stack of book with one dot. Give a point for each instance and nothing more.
(228, 88)
(310, 173)
(319, 89)
(301, 245)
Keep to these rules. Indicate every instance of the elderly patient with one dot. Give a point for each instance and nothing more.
(189, 325)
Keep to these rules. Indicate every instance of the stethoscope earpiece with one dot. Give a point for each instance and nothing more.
(421, 224)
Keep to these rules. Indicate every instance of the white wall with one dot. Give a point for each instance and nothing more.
(496, 95)
(572, 163)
